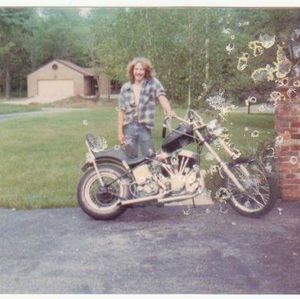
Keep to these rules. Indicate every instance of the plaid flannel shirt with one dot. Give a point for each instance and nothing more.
(145, 111)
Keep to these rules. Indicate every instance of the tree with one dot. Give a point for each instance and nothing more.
(196, 47)
(12, 55)
(61, 34)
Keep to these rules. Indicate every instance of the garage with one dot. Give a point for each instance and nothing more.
(56, 89)
(59, 79)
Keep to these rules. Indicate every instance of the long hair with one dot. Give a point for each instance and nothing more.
(149, 71)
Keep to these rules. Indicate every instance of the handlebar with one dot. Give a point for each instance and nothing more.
(197, 125)
(199, 118)
(177, 117)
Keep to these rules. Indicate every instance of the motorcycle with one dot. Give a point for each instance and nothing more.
(112, 182)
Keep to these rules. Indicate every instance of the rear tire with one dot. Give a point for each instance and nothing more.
(259, 197)
(98, 204)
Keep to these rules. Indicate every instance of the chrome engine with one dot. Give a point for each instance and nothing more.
(177, 173)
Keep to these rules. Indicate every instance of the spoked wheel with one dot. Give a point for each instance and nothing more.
(102, 202)
(258, 198)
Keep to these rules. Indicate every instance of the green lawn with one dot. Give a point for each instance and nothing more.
(11, 108)
(40, 157)
(241, 126)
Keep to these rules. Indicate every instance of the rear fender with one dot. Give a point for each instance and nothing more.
(102, 160)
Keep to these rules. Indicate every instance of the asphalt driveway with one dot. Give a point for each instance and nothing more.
(210, 249)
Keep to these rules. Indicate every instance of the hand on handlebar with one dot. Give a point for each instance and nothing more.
(171, 114)
(121, 138)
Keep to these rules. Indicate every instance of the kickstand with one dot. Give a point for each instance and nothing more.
(193, 199)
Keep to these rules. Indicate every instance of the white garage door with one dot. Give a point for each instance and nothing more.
(55, 89)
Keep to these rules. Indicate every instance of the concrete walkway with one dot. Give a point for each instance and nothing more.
(37, 100)
(45, 100)
(10, 116)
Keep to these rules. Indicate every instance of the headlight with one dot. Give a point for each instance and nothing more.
(89, 158)
(214, 127)
(218, 131)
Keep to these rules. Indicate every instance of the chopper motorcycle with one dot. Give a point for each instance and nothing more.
(112, 182)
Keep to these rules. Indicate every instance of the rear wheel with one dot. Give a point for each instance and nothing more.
(258, 198)
(102, 203)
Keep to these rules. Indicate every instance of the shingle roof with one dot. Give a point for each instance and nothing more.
(76, 67)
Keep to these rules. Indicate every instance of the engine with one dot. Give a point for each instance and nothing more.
(174, 174)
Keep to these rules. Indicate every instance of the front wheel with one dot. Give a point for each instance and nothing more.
(258, 198)
(101, 202)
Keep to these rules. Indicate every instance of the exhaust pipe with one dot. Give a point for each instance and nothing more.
(158, 197)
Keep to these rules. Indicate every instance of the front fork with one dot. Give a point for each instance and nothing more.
(222, 163)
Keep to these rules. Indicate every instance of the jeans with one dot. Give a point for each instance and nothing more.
(138, 135)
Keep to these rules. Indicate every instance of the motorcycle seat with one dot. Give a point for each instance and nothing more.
(136, 161)
(121, 155)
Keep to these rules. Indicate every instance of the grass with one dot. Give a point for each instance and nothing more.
(242, 126)
(12, 108)
(75, 102)
(72, 102)
(40, 157)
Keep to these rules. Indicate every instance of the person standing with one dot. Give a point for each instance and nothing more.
(136, 104)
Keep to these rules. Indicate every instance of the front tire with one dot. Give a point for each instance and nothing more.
(98, 203)
(259, 197)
